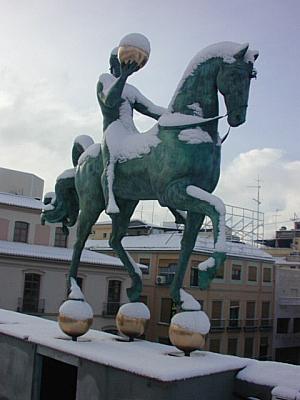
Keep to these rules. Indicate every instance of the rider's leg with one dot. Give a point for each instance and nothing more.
(107, 181)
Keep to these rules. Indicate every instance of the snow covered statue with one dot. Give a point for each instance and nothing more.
(177, 162)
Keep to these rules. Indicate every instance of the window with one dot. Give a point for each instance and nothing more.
(31, 293)
(250, 313)
(194, 277)
(236, 273)
(283, 325)
(167, 269)
(215, 345)
(234, 310)
(113, 297)
(61, 238)
(104, 235)
(145, 261)
(232, 346)
(248, 348)
(216, 313)
(263, 348)
(265, 313)
(267, 275)
(21, 231)
(296, 325)
(252, 274)
(167, 310)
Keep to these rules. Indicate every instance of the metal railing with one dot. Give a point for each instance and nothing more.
(266, 324)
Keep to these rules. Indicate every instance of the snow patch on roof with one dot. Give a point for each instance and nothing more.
(20, 201)
(171, 241)
(55, 253)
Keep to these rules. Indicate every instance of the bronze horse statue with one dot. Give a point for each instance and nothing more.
(180, 167)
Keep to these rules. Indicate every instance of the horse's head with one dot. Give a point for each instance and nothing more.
(233, 82)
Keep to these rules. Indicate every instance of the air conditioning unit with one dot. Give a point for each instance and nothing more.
(161, 279)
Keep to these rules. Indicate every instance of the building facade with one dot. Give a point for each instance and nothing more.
(35, 259)
(239, 303)
(287, 310)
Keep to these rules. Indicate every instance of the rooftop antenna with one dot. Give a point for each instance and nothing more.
(258, 203)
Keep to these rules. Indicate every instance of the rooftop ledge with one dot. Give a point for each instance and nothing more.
(145, 359)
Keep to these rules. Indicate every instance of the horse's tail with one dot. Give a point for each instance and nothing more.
(63, 205)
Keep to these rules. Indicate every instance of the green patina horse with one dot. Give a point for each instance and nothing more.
(180, 169)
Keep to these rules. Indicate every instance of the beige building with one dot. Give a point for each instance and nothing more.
(136, 227)
(239, 303)
(34, 264)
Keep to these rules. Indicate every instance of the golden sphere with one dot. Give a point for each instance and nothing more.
(75, 317)
(185, 340)
(130, 326)
(74, 327)
(129, 54)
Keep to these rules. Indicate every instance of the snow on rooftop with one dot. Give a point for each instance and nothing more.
(56, 253)
(139, 357)
(20, 201)
(171, 241)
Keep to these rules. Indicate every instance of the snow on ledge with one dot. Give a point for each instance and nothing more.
(139, 357)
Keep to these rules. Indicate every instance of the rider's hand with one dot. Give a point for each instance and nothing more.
(129, 68)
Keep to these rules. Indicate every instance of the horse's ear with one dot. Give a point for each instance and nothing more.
(241, 53)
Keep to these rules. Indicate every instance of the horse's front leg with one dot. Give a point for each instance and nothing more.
(193, 224)
(216, 212)
(184, 196)
(120, 224)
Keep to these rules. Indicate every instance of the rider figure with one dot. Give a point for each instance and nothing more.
(117, 100)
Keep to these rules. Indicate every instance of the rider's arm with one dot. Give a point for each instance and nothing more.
(112, 96)
(146, 107)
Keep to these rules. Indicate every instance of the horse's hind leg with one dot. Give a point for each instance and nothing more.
(120, 224)
(193, 224)
(87, 217)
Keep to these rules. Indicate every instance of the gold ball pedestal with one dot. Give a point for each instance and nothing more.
(188, 329)
(75, 315)
(132, 320)
(71, 326)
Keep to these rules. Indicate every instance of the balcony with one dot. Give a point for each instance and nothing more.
(289, 301)
(266, 325)
(31, 305)
(110, 309)
(234, 325)
(250, 325)
(217, 325)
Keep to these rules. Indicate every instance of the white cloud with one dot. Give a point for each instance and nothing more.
(280, 189)
(38, 126)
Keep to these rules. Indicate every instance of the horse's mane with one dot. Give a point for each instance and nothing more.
(224, 50)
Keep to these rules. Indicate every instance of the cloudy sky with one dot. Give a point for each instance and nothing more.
(52, 52)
